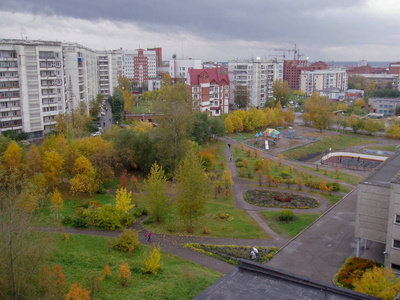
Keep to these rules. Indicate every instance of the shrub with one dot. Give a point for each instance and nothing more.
(248, 152)
(258, 165)
(239, 164)
(151, 261)
(106, 217)
(67, 221)
(335, 186)
(282, 198)
(245, 163)
(128, 240)
(140, 211)
(285, 174)
(80, 222)
(242, 172)
(124, 273)
(352, 270)
(208, 159)
(286, 215)
(77, 292)
(96, 203)
(238, 159)
(106, 271)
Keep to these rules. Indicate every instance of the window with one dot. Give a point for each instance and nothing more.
(397, 219)
(396, 268)
(396, 244)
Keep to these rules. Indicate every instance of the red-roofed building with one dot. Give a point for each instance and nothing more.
(209, 90)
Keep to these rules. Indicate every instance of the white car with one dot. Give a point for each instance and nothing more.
(96, 133)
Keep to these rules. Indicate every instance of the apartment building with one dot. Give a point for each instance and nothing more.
(257, 75)
(31, 86)
(314, 81)
(385, 106)
(140, 65)
(179, 68)
(378, 211)
(80, 75)
(109, 67)
(209, 90)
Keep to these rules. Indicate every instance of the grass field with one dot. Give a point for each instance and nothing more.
(392, 148)
(345, 177)
(86, 256)
(336, 142)
(301, 222)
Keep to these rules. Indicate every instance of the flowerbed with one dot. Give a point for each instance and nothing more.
(223, 217)
(279, 199)
(230, 253)
(353, 268)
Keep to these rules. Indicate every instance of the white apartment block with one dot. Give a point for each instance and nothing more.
(314, 81)
(139, 65)
(80, 75)
(109, 65)
(257, 75)
(178, 68)
(31, 86)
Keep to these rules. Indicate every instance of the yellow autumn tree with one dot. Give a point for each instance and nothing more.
(52, 166)
(57, 202)
(84, 180)
(123, 200)
(33, 160)
(128, 101)
(13, 161)
(378, 282)
(124, 273)
(151, 261)
(77, 292)
(227, 181)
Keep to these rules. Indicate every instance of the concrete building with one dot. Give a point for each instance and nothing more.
(140, 65)
(209, 90)
(31, 86)
(378, 210)
(179, 68)
(108, 69)
(81, 83)
(385, 106)
(257, 75)
(313, 81)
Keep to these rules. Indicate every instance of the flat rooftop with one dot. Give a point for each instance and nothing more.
(386, 172)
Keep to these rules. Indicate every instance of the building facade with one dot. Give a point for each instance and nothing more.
(257, 76)
(31, 86)
(385, 106)
(313, 81)
(378, 211)
(140, 65)
(179, 68)
(209, 90)
(108, 70)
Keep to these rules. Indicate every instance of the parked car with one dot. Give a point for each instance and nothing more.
(96, 133)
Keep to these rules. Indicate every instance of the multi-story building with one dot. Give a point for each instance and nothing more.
(140, 65)
(385, 106)
(81, 83)
(378, 211)
(108, 70)
(209, 90)
(31, 86)
(178, 68)
(257, 76)
(291, 72)
(314, 81)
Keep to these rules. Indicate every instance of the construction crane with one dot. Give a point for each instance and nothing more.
(295, 50)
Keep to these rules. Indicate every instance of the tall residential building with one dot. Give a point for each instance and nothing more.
(31, 86)
(108, 70)
(314, 81)
(209, 90)
(257, 75)
(291, 72)
(140, 65)
(178, 68)
(80, 75)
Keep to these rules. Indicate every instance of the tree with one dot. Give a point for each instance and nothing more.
(95, 106)
(52, 165)
(241, 96)
(280, 159)
(217, 127)
(24, 250)
(319, 111)
(123, 201)
(55, 282)
(227, 181)
(117, 105)
(151, 261)
(124, 273)
(33, 160)
(57, 202)
(175, 123)
(77, 292)
(124, 84)
(84, 180)
(128, 101)
(193, 189)
(201, 128)
(370, 126)
(378, 282)
(370, 88)
(13, 161)
(355, 122)
(155, 187)
(281, 91)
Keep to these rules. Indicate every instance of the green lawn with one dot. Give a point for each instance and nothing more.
(301, 222)
(143, 107)
(84, 256)
(336, 142)
(345, 177)
(392, 148)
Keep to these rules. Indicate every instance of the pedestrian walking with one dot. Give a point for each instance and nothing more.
(148, 237)
(230, 158)
(229, 146)
(253, 255)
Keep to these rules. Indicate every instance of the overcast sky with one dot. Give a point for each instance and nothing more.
(219, 30)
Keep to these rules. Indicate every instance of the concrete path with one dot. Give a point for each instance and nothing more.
(320, 250)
